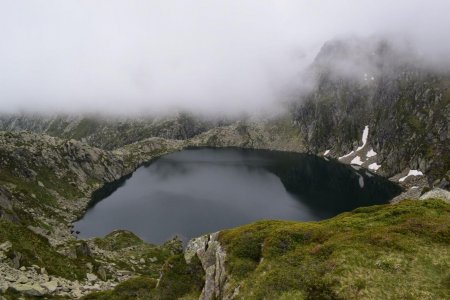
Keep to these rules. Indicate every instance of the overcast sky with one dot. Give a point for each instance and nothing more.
(207, 56)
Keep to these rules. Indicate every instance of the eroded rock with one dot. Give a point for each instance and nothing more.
(212, 257)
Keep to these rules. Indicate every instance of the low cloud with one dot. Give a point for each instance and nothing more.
(212, 57)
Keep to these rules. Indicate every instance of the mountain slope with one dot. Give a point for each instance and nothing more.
(108, 132)
(405, 105)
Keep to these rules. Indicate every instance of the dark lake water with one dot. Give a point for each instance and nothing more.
(197, 191)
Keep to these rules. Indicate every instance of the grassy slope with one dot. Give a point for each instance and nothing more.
(178, 280)
(36, 250)
(390, 251)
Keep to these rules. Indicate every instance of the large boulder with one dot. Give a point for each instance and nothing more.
(50, 286)
(29, 289)
(437, 193)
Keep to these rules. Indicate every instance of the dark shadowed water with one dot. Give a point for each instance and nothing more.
(197, 191)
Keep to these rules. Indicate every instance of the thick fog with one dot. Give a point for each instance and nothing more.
(141, 56)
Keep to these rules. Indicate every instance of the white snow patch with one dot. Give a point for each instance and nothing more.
(326, 152)
(374, 166)
(347, 155)
(326, 159)
(373, 78)
(411, 173)
(368, 174)
(357, 161)
(361, 181)
(371, 153)
(414, 187)
(356, 167)
(364, 137)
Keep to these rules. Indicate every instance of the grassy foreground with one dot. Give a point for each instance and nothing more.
(397, 251)
(381, 252)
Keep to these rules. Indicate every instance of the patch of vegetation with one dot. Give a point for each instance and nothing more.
(35, 250)
(130, 249)
(389, 251)
(84, 128)
(62, 185)
(135, 288)
(117, 240)
(178, 279)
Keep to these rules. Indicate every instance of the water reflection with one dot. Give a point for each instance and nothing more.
(204, 190)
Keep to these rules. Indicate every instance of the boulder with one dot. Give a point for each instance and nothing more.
(3, 286)
(22, 279)
(101, 271)
(50, 286)
(16, 259)
(91, 277)
(437, 193)
(29, 289)
(5, 246)
(89, 266)
(82, 249)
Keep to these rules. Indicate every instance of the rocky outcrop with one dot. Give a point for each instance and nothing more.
(212, 257)
(33, 281)
(437, 193)
(109, 132)
(144, 151)
(276, 134)
(45, 184)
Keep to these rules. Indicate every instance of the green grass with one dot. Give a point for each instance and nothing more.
(135, 288)
(126, 245)
(178, 280)
(117, 240)
(392, 251)
(35, 249)
(61, 185)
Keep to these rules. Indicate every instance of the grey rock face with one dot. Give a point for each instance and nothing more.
(16, 259)
(91, 277)
(50, 286)
(406, 106)
(212, 256)
(102, 273)
(5, 246)
(5, 201)
(437, 193)
(83, 249)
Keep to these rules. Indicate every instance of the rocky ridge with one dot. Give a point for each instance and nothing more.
(45, 185)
